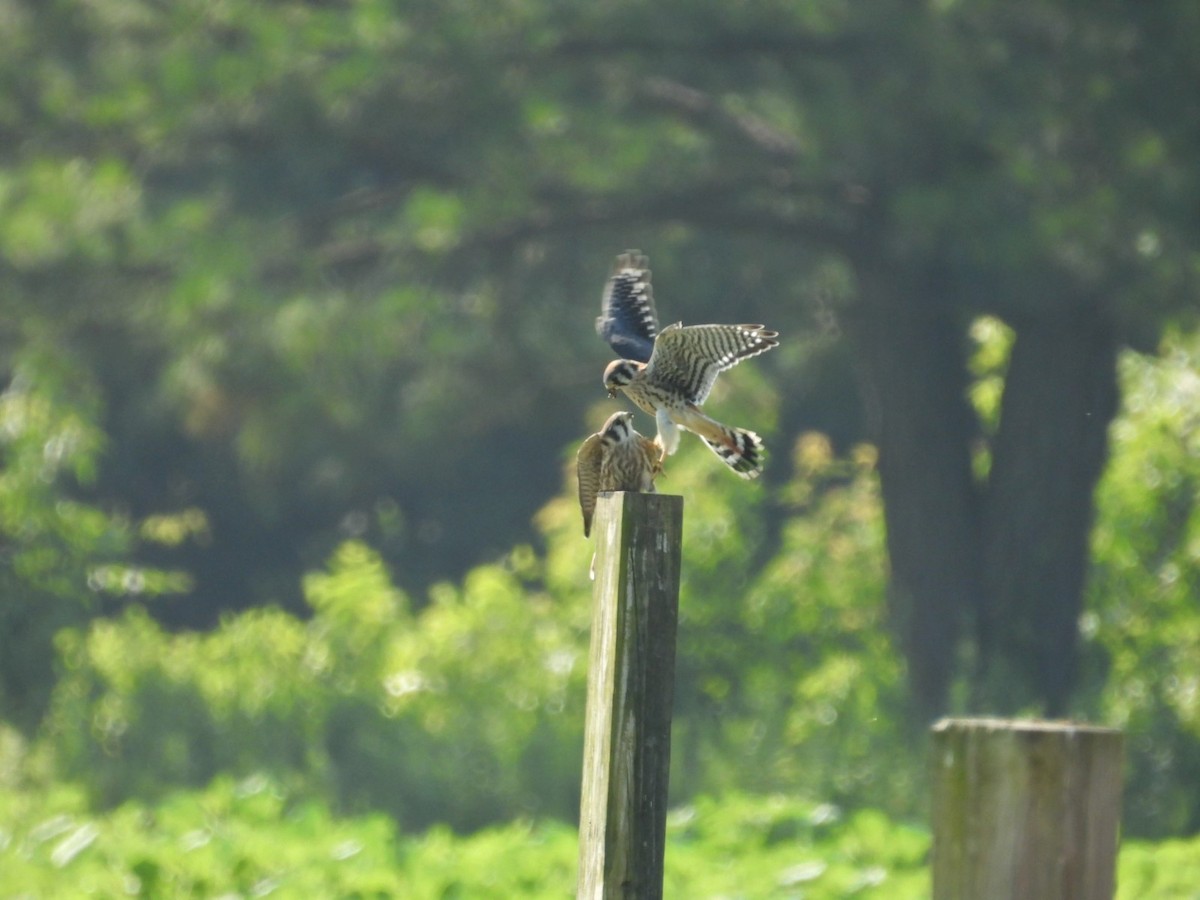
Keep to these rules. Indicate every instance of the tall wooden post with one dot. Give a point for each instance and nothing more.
(1025, 810)
(631, 684)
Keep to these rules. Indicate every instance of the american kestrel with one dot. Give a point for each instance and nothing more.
(616, 458)
(670, 374)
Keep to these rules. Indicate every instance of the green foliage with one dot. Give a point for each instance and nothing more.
(1142, 627)
(992, 341)
(141, 712)
(320, 258)
(466, 710)
(786, 675)
(253, 837)
(475, 713)
(311, 272)
(62, 555)
(753, 846)
(469, 710)
(1166, 871)
(50, 442)
(465, 713)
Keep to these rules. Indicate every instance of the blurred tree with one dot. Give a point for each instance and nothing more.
(1142, 628)
(63, 561)
(48, 544)
(333, 265)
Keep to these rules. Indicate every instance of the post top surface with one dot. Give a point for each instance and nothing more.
(650, 497)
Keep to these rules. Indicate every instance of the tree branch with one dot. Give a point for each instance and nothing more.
(727, 46)
(706, 113)
(716, 206)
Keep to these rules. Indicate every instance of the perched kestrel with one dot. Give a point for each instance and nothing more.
(616, 458)
(673, 379)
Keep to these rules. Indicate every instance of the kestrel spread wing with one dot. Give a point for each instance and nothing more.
(628, 321)
(616, 458)
(687, 359)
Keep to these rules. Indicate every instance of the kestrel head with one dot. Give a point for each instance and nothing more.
(619, 373)
(618, 428)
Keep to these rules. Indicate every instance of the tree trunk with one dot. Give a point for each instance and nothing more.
(1059, 397)
(915, 378)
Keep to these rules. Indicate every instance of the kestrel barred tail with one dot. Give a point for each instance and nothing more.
(616, 458)
(670, 374)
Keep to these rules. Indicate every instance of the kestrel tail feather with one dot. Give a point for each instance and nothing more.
(587, 464)
(740, 449)
(744, 452)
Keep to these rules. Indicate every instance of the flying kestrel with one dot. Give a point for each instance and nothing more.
(616, 458)
(669, 374)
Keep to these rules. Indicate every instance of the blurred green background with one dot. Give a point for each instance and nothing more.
(297, 346)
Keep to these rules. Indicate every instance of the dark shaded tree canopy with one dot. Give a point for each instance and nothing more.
(332, 267)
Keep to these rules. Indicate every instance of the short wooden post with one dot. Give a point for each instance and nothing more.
(1025, 810)
(631, 685)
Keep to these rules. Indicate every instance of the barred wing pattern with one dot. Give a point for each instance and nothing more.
(687, 359)
(628, 321)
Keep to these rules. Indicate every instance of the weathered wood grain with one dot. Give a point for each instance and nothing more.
(631, 683)
(1025, 810)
